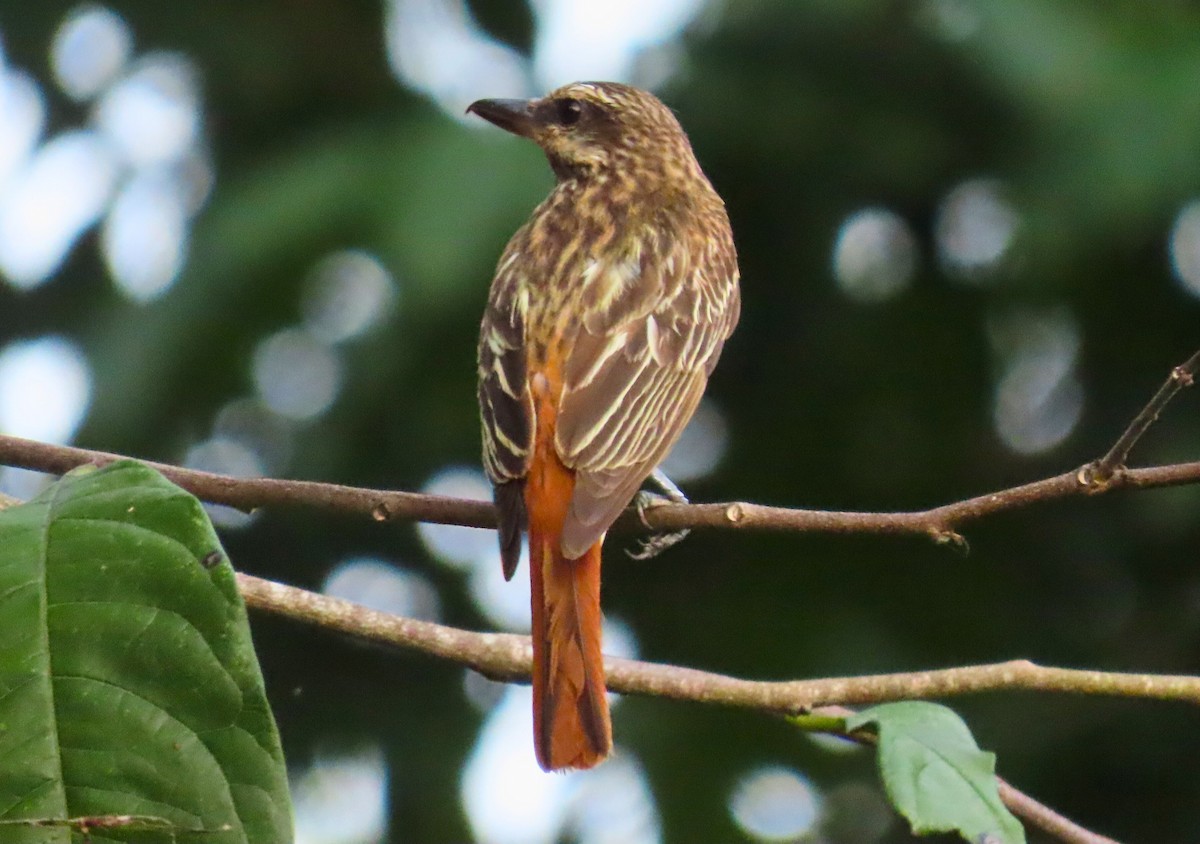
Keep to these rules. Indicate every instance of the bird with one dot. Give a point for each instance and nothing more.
(607, 313)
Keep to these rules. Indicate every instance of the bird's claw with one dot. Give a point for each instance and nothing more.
(644, 501)
(656, 544)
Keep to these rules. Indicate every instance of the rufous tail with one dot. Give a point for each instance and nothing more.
(571, 726)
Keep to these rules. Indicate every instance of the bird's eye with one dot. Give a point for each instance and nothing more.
(569, 112)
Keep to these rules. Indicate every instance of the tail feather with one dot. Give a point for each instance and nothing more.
(571, 727)
(570, 709)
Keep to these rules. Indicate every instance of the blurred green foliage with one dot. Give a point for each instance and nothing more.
(801, 112)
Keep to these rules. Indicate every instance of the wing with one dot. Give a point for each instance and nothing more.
(637, 370)
(505, 405)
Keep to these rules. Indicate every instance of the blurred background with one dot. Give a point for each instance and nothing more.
(256, 238)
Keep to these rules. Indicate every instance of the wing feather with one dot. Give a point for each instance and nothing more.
(504, 401)
(601, 494)
(505, 404)
(634, 376)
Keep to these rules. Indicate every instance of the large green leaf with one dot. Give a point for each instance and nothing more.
(128, 681)
(934, 773)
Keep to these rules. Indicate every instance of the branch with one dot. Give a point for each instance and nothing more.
(1181, 376)
(1046, 819)
(938, 523)
(508, 657)
(1103, 475)
(251, 493)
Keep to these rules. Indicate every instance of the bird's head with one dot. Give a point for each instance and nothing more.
(588, 129)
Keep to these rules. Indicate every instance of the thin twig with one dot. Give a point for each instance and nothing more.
(504, 656)
(938, 523)
(508, 657)
(249, 494)
(1046, 819)
(1104, 475)
(1181, 376)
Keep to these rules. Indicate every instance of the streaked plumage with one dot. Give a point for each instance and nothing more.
(608, 311)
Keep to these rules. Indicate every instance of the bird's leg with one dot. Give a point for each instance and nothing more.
(668, 486)
(643, 501)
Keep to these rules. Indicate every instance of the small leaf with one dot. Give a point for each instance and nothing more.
(935, 775)
(131, 703)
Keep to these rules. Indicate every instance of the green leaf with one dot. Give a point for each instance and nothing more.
(128, 682)
(934, 773)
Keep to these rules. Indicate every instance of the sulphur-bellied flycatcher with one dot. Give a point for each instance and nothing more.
(606, 316)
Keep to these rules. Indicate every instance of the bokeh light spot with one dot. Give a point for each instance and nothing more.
(1185, 247)
(1039, 398)
(504, 603)
(460, 547)
(140, 164)
(974, 229)
(577, 40)
(952, 21)
(152, 115)
(342, 799)
(45, 389)
(145, 235)
(264, 432)
(615, 805)
(383, 586)
(22, 118)
(91, 46)
(482, 692)
(225, 457)
(507, 798)
(295, 375)
(23, 484)
(347, 294)
(437, 48)
(775, 804)
(701, 446)
(619, 640)
(49, 203)
(875, 255)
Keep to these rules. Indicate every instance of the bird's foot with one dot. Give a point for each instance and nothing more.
(673, 493)
(645, 501)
